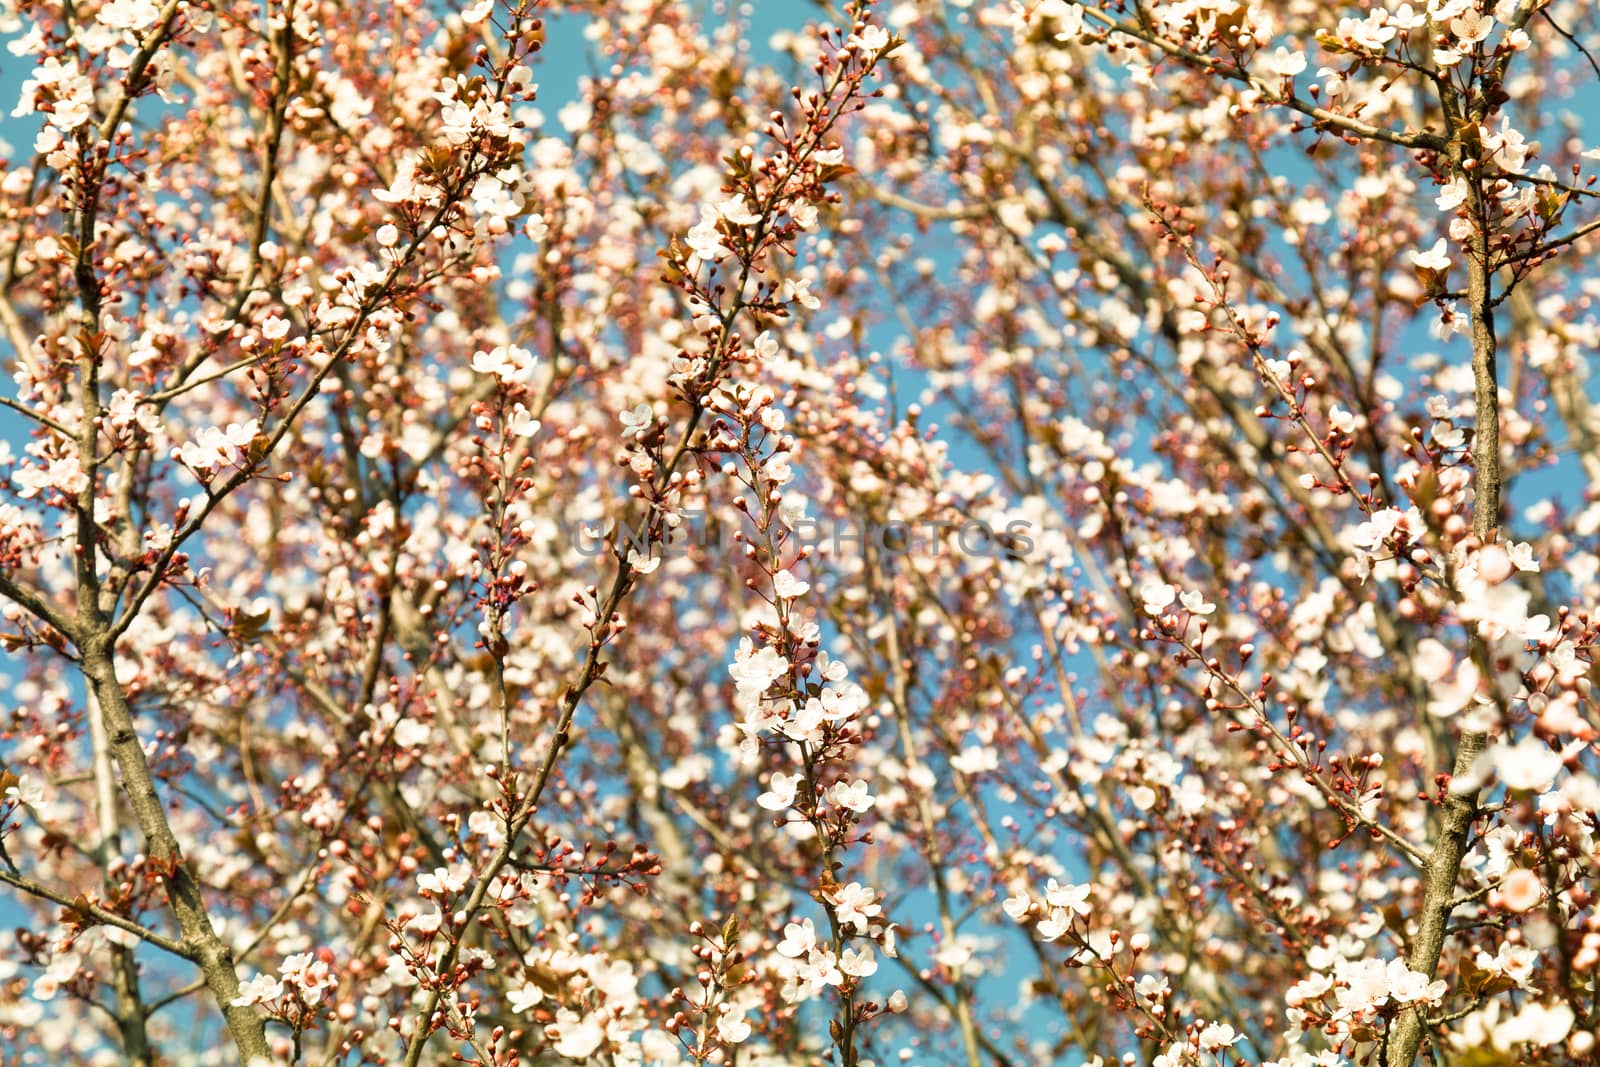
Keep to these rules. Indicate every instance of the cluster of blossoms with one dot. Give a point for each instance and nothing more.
(70, 94)
(814, 710)
(63, 473)
(809, 966)
(600, 1002)
(1537, 1025)
(302, 981)
(1061, 911)
(1346, 997)
(213, 448)
(796, 700)
(801, 717)
(1205, 1043)
(1156, 597)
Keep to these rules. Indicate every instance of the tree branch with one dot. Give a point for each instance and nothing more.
(85, 907)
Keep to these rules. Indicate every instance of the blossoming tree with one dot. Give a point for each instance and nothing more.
(973, 532)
